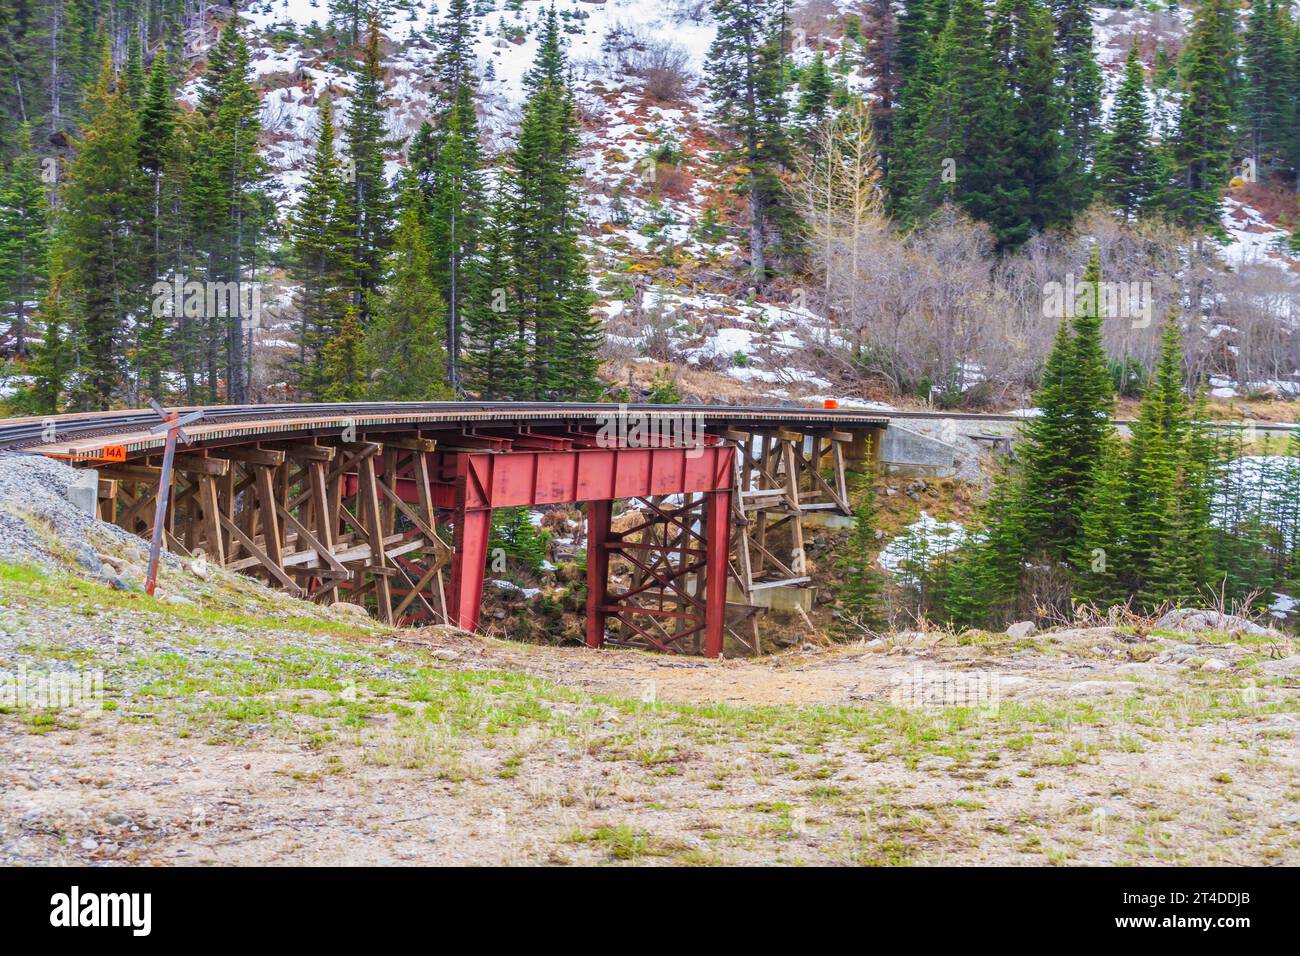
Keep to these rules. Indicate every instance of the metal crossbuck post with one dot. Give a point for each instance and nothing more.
(173, 425)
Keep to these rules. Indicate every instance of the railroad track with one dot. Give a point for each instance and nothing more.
(23, 434)
(31, 433)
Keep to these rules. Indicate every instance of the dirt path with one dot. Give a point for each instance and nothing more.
(241, 744)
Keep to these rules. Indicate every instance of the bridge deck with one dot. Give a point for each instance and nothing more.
(91, 435)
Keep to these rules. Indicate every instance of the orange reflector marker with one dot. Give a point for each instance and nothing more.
(111, 453)
(830, 403)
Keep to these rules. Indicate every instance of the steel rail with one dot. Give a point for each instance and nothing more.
(132, 426)
(30, 433)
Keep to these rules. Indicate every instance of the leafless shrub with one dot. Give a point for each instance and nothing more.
(663, 65)
(658, 324)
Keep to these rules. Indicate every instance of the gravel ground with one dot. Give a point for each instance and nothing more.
(35, 511)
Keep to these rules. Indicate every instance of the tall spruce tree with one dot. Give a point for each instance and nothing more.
(954, 146)
(454, 61)
(1022, 35)
(1200, 151)
(158, 157)
(1037, 514)
(496, 362)
(24, 239)
(746, 81)
(1064, 444)
(817, 93)
(1081, 86)
(551, 285)
(323, 231)
(372, 204)
(1102, 563)
(1156, 459)
(226, 205)
(1268, 107)
(455, 212)
(404, 349)
(101, 200)
(1126, 168)
(883, 54)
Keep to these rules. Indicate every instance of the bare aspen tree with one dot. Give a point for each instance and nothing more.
(840, 198)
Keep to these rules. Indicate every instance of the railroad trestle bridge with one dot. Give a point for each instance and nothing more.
(390, 505)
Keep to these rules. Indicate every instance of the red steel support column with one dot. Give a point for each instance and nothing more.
(717, 506)
(473, 529)
(598, 514)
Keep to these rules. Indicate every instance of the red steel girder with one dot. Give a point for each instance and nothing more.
(485, 480)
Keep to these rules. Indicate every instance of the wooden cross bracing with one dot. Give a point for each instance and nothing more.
(320, 519)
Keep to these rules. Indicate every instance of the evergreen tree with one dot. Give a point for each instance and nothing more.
(954, 148)
(514, 534)
(1081, 85)
(913, 37)
(157, 156)
(883, 55)
(404, 341)
(976, 581)
(915, 64)
(1126, 169)
(1156, 454)
(857, 604)
(1064, 443)
(1199, 155)
(225, 204)
(323, 235)
(350, 16)
(1037, 513)
(24, 239)
(746, 80)
(1038, 163)
(454, 62)
(135, 81)
(455, 212)
(1267, 104)
(344, 360)
(496, 365)
(817, 93)
(101, 201)
(551, 285)
(371, 202)
(222, 60)
(1103, 566)
(52, 361)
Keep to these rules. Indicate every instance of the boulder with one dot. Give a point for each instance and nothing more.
(1022, 629)
(1191, 621)
(346, 610)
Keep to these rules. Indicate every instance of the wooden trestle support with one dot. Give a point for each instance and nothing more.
(322, 519)
(365, 520)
